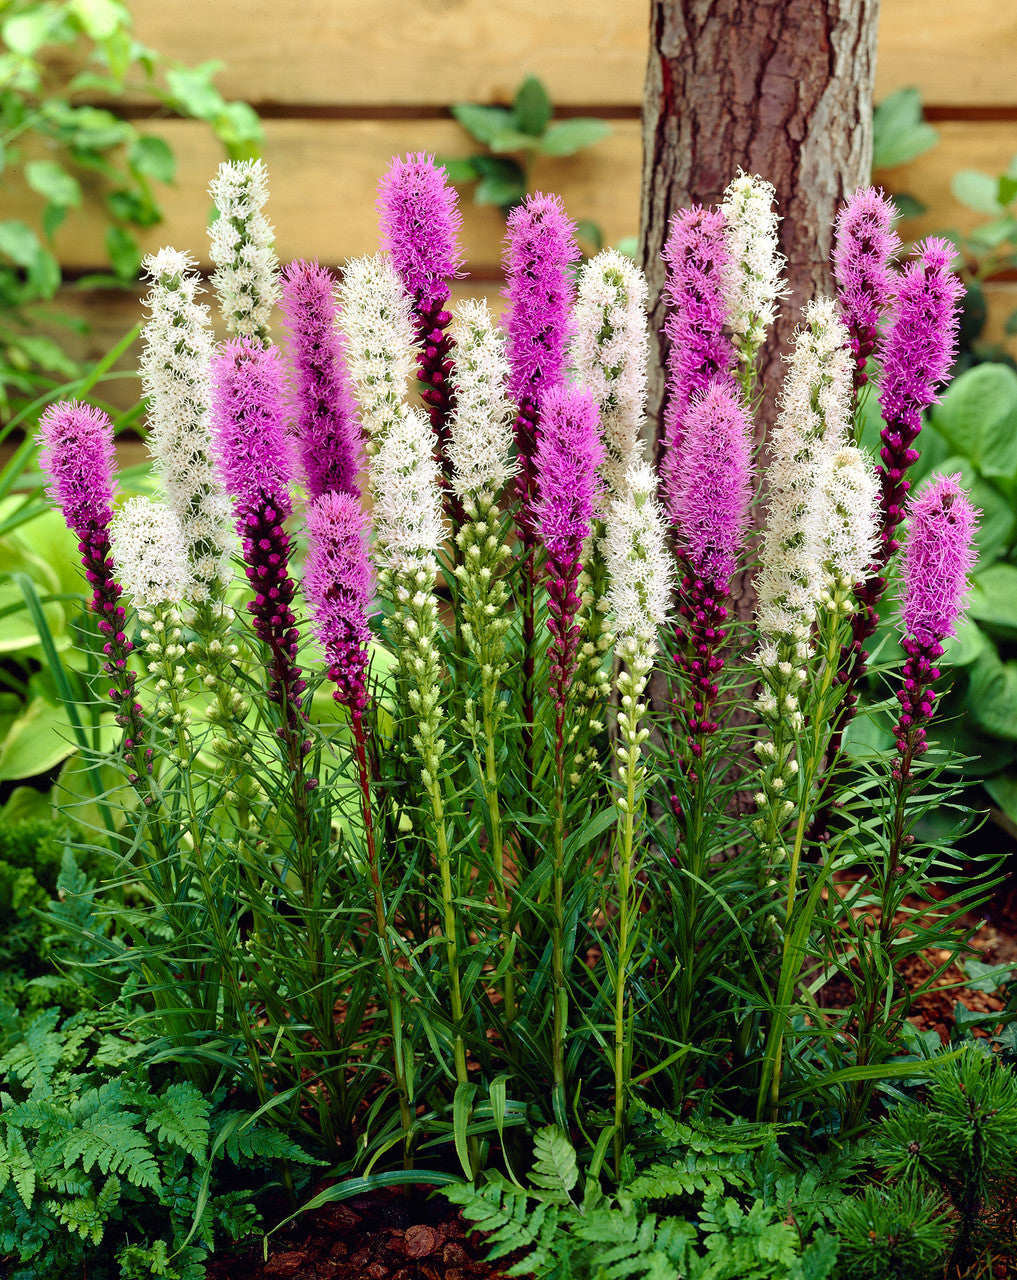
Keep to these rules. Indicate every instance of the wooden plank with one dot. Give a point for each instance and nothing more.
(324, 176)
(432, 52)
(987, 147)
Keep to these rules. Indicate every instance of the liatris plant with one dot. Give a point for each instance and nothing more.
(416, 916)
(865, 247)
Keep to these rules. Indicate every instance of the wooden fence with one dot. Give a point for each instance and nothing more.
(343, 85)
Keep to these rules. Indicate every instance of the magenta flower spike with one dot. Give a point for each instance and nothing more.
(917, 353)
(256, 467)
(78, 456)
(701, 351)
(569, 451)
(863, 268)
(709, 489)
(328, 424)
(709, 493)
(418, 210)
(540, 294)
(339, 587)
(938, 556)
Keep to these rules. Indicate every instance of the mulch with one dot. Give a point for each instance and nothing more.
(381, 1236)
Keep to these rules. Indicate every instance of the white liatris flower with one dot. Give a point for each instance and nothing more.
(381, 353)
(406, 513)
(246, 278)
(845, 521)
(176, 379)
(814, 419)
(752, 280)
(148, 547)
(609, 355)
(640, 573)
(481, 428)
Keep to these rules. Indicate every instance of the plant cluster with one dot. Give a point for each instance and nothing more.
(381, 863)
(58, 58)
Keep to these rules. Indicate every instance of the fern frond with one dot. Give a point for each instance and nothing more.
(17, 1166)
(180, 1116)
(36, 1056)
(555, 1171)
(115, 1146)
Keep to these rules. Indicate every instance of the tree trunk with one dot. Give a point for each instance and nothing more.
(779, 88)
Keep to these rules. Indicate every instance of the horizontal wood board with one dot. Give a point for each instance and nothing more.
(431, 52)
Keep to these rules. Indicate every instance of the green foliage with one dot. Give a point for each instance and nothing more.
(57, 59)
(900, 134)
(892, 1233)
(515, 138)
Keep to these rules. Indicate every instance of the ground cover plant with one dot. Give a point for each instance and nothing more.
(405, 862)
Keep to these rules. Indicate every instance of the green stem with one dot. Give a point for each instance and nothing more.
(622, 1054)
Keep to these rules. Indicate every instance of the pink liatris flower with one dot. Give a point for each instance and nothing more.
(863, 254)
(938, 556)
(917, 353)
(256, 467)
(540, 293)
(328, 426)
(696, 255)
(709, 492)
(339, 587)
(420, 220)
(569, 451)
(78, 456)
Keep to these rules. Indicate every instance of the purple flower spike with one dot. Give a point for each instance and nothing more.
(696, 255)
(918, 351)
(709, 489)
(569, 451)
(938, 556)
(863, 254)
(339, 587)
(420, 221)
(78, 456)
(540, 293)
(254, 460)
(328, 426)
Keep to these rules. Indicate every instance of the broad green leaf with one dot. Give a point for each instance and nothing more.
(532, 107)
(963, 648)
(1003, 790)
(37, 741)
(484, 123)
(977, 190)
(1007, 189)
(193, 91)
(117, 49)
(27, 32)
(499, 191)
(238, 128)
(992, 695)
(100, 18)
(123, 252)
(899, 132)
(566, 137)
(908, 206)
(994, 597)
(459, 170)
(978, 417)
(19, 242)
(54, 182)
(152, 157)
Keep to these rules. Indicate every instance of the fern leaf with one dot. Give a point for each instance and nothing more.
(180, 1116)
(35, 1057)
(19, 1167)
(112, 1143)
(501, 1209)
(554, 1166)
(251, 1143)
(819, 1259)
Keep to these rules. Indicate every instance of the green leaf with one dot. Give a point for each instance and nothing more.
(36, 743)
(1003, 790)
(590, 232)
(123, 252)
(54, 182)
(908, 206)
(27, 32)
(977, 190)
(193, 91)
(118, 50)
(100, 18)
(978, 417)
(19, 242)
(992, 694)
(1007, 189)
(180, 1116)
(899, 132)
(484, 123)
(963, 648)
(459, 170)
(152, 157)
(462, 1103)
(532, 107)
(994, 598)
(566, 137)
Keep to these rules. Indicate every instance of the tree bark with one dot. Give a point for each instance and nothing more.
(779, 88)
